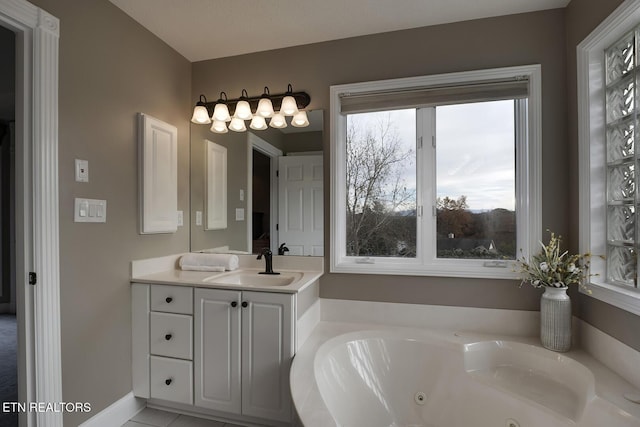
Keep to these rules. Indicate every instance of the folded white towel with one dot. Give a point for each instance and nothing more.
(206, 262)
(203, 267)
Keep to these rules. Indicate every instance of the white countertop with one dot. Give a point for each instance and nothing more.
(206, 279)
(165, 271)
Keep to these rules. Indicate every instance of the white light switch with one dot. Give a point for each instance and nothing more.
(82, 170)
(90, 210)
(180, 218)
(241, 195)
(239, 214)
(198, 217)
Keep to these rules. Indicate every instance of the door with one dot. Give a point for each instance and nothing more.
(300, 214)
(217, 349)
(267, 349)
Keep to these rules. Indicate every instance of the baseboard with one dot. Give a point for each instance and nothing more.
(117, 413)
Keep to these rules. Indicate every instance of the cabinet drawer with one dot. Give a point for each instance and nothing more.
(172, 380)
(172, 299)
(171, 335)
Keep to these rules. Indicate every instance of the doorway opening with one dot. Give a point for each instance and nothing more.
(261, 202)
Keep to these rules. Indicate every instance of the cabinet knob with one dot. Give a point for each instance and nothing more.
(234, 303)
(167, 337)
(168, 381)
(168, 300)
(245, 304)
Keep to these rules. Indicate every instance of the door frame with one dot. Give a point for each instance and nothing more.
(37, 212)
(259, 144)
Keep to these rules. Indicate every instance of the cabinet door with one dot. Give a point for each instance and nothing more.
(217, 350)
(267, 349)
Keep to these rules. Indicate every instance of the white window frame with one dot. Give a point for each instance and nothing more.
(592, 152)
(528, 182)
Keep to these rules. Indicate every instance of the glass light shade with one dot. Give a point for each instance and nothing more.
(219, 126)
(243, 110)
(265, 108)
(300, 120)
(237, 125)
(278, 121)
(221, 113)
(258, 123)
(289, 106)
(201, 115)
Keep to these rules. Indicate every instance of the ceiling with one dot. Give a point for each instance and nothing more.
(208, 29)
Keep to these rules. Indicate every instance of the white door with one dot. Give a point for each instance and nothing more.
(300, 213)
(217, 349)
(267, 349)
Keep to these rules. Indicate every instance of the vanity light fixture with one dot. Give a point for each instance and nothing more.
(237, 125)
(243, 109)
(200, 113)
(300, 120)
(221, 111)
(265, 106)
(219, 127)
(278, 121)
(269, 107)
(258, 123)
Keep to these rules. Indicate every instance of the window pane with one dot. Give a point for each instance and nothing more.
(381, 184)
(475, 164)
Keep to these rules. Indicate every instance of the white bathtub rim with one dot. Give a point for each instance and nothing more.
(313, 412)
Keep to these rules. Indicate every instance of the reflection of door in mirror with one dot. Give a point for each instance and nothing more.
(261, 202)
(301, 204)
(263, 194)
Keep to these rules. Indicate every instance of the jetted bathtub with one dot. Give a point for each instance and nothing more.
(408, 377)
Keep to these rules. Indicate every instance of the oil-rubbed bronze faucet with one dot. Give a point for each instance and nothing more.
(268, 260)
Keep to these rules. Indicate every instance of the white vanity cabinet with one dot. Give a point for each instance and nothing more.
(243, 350)
(236, 346)
(162, 342)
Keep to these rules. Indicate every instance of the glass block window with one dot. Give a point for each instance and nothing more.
(621, 62)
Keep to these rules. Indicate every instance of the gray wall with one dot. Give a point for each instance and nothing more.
(110, 69)
(582, 17)
(487, 43)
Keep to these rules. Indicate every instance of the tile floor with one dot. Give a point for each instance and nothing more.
(157, 418)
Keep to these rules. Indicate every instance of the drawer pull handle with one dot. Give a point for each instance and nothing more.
(168, 300)
(168, 381)
(245, 304)
(234, 303)
(167, 337)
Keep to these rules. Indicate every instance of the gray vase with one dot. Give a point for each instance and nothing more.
(555, 319)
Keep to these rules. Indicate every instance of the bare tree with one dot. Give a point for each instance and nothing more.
(376, 189)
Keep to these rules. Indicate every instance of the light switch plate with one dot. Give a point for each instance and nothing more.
(239, 214)
(241, 195)
(180, 218)
(90, 210)
(82, 170)
(198, 217)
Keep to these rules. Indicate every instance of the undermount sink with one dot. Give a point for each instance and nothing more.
(254, 278)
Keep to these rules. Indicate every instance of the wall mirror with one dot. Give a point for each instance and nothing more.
(274, 189)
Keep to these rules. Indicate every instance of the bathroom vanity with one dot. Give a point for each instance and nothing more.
(220, 344)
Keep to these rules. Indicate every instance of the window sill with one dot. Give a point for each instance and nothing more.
(437, 270)
(625, 299)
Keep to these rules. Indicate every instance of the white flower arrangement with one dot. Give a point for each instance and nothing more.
(551, 268)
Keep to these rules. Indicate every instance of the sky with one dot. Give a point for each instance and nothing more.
(475, 154)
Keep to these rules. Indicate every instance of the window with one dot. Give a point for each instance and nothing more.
(608, 158)
(436, 175)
